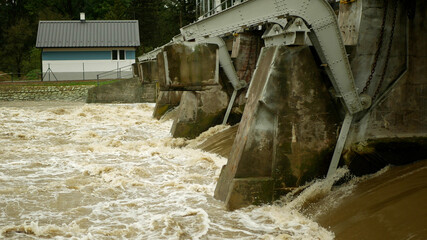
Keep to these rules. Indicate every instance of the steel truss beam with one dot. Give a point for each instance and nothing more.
(318, 16)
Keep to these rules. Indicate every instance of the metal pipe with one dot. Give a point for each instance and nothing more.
(166, 63)
(225, 61)
(117, 69)
(203, 6)
(230, 105)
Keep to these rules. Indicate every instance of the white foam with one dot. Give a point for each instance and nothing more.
(94, 171)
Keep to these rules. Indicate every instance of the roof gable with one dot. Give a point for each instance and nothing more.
(118, 33)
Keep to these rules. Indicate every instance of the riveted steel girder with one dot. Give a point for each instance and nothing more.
(319, 17)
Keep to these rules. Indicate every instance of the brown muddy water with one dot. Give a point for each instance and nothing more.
(77, 171)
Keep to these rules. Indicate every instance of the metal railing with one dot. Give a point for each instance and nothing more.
(117, 73)
(206, 8)
(125, 72)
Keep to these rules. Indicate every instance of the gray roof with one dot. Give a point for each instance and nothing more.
(117, 33)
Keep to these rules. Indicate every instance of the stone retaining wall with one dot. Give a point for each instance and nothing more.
(123, 91)
(44, 93)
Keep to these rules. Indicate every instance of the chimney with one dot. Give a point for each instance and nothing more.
(82, 17)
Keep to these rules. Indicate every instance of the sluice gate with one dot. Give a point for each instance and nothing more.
(306, 85)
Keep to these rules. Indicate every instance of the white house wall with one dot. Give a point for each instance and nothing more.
(85, 64)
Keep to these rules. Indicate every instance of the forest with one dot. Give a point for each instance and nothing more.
(159, 21)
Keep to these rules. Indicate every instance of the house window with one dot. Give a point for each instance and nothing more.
(122, 54)
(118, 54)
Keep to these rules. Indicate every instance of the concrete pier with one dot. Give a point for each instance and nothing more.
(290, 124)
(199, 110)
(188, 66)
(394, 130)
(245, 52)
(189, 75)
(165, 101)
(287, 132)
(148, 72)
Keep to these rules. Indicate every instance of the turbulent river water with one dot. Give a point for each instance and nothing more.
(110, 171)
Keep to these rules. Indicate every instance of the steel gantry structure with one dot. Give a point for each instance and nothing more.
(317, 15)
(219, 19)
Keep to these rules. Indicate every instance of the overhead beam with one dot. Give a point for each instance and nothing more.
(319, 17)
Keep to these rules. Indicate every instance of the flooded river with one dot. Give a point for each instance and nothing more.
(73, 170)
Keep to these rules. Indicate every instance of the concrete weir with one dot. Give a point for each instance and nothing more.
(166, 100)
(198, 111)
(190, 79)
(189, 75)
(148, 73)
(314, 70)
(287, 133)
(123, 91)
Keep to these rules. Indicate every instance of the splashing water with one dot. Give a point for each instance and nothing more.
(112, 172)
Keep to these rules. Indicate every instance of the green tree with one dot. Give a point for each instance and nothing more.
(32, 60)
(119, 10)
(20, 39)
(148, 13)
(183, 10)
(176, 14)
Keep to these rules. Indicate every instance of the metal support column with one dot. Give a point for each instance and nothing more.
(340, 145)
(230, 106)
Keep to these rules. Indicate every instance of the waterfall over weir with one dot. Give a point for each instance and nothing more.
(72, 170)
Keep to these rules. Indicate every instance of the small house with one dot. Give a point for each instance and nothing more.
(83, 50)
